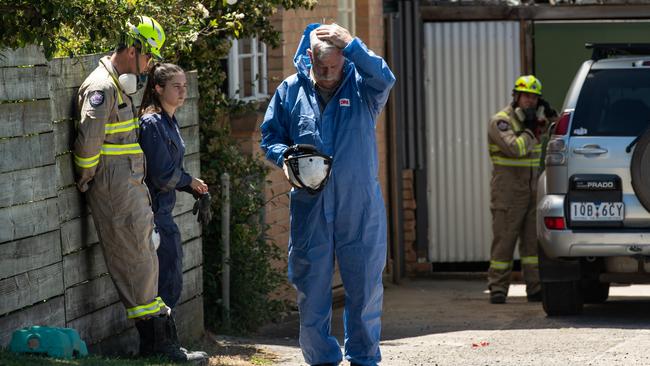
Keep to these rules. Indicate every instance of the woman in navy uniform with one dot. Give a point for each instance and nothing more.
(164, 149)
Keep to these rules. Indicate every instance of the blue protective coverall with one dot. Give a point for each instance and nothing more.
(164, 149)
(347, 218)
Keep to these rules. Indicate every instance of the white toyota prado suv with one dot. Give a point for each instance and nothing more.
(593, 212)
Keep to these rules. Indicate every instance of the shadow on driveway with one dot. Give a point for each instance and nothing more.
(431, 306)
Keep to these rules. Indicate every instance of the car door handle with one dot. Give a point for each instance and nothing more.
(590, 150)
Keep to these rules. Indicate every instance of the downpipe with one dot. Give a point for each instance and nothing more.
(225, 242)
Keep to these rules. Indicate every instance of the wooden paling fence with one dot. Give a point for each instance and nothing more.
(52, 270)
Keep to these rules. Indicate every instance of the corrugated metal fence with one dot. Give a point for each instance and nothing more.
(470, 70)
(52, 270)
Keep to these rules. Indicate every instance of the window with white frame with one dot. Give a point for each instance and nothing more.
(247, 79)
(346, 15)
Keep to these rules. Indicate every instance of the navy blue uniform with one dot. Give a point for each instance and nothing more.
(164, 149)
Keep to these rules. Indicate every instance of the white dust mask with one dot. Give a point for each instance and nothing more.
(129, 83)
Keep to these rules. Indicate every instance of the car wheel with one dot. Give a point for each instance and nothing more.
(562, 298)
(594, 291)
(640, 170)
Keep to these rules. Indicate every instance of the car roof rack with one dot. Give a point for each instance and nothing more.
(605, 50)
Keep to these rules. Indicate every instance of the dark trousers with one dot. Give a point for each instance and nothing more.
(170, 259)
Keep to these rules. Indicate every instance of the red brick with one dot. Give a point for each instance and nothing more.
(277, 217)
(409, 204)
(410, 256)
(413, 269)
(409, 225)
(409, 236)
(276, 231)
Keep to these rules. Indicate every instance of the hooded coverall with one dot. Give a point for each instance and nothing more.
(164, 149)
(515, 153)
(110, 167)
(347, 219)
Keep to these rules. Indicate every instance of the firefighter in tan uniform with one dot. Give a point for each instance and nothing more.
(514, 140)
(110, 170)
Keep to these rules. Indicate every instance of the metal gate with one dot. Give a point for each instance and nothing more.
(470, 68)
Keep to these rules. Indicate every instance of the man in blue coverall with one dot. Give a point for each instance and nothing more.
(332, 102)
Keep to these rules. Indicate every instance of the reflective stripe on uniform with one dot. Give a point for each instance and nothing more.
(86, 162)
(530, 260)
(503, 114)
(124, 126)
(500, 265)
(499, 160)
(151, 308)
(121, 149)
(521, 144)
(524, 159)
(495, 148)
(107, 149)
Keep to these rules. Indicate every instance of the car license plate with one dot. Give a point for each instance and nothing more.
(592, 211)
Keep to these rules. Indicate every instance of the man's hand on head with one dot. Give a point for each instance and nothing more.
(335, 34)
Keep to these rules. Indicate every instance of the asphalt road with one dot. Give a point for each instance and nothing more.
(450, 322)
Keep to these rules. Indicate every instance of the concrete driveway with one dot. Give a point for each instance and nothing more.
(444, 321)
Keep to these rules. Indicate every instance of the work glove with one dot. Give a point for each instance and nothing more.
(530, 118)
(155, 237)
(546, 109)
(203, 208)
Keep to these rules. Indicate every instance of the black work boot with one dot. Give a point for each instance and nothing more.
(166, 345)
(174, 333)
(497, 298)
(536, 297)
(145, 330)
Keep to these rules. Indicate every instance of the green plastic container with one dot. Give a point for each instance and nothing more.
(53, 342)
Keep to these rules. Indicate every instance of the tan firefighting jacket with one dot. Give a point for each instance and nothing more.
(108, 128)
(515, 154)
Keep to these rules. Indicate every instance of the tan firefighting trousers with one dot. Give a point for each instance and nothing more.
(513, 217)
(124, 223)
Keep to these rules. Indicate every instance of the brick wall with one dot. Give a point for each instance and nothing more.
(412, 257)
(409, 207)
(292, 23)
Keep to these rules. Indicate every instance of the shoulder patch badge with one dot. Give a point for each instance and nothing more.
(503, 126)
(96, 98)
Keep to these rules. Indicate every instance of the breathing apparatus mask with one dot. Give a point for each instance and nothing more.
(131, 83)
(307, 168)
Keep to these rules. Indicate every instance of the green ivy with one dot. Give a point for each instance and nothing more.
(252, 275)
(198, 34)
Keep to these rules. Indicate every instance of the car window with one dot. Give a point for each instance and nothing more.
(613, 102)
